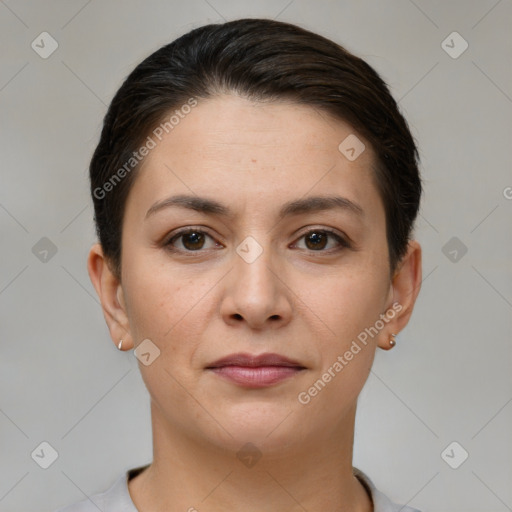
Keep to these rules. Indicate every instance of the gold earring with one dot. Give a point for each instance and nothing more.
(120, 344)
(392, 341)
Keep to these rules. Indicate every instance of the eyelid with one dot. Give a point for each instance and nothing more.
(184, 231)
(344, 242)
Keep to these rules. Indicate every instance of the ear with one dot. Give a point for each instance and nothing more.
(404, 288)
(110, 293)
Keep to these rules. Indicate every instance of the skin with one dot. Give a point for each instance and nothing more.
(304, 301)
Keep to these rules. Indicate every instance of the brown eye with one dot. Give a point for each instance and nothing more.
(316, 240)
(319, 239)
(191, 240)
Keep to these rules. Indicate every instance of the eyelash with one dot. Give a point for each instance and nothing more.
(343, 243)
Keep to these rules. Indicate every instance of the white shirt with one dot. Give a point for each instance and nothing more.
(117, 498)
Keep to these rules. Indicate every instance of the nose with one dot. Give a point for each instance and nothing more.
(256, 294)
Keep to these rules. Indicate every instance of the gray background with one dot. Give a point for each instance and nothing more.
(449, 378)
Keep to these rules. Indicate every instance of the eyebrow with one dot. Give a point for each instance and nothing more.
(299, 206)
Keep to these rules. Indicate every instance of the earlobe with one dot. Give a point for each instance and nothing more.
(405, 286)
(110, 293)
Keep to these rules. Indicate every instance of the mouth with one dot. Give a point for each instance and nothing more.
(259, 371)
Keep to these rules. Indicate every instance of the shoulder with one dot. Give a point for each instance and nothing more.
(115, 498)
(381, 503)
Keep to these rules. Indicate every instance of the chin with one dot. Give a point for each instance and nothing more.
(265, 424)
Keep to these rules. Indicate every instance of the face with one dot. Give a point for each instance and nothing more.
(250, 264)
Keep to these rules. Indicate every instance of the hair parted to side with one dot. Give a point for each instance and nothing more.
(264, 60)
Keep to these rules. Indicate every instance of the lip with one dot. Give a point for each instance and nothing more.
(255, 371)
(252, 361)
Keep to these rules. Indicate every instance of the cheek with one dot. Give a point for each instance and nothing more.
(164, 305)
(349, 303)
(151, 314)
(346, 350)
(333, 392)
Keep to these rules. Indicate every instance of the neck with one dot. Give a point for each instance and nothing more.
(188, 475)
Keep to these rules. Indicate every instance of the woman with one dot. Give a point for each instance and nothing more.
(255, 189)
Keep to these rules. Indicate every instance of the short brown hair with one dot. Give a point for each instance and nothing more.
(260, 59)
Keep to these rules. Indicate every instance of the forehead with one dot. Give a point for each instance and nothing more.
(258, 127)
(265, 152)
